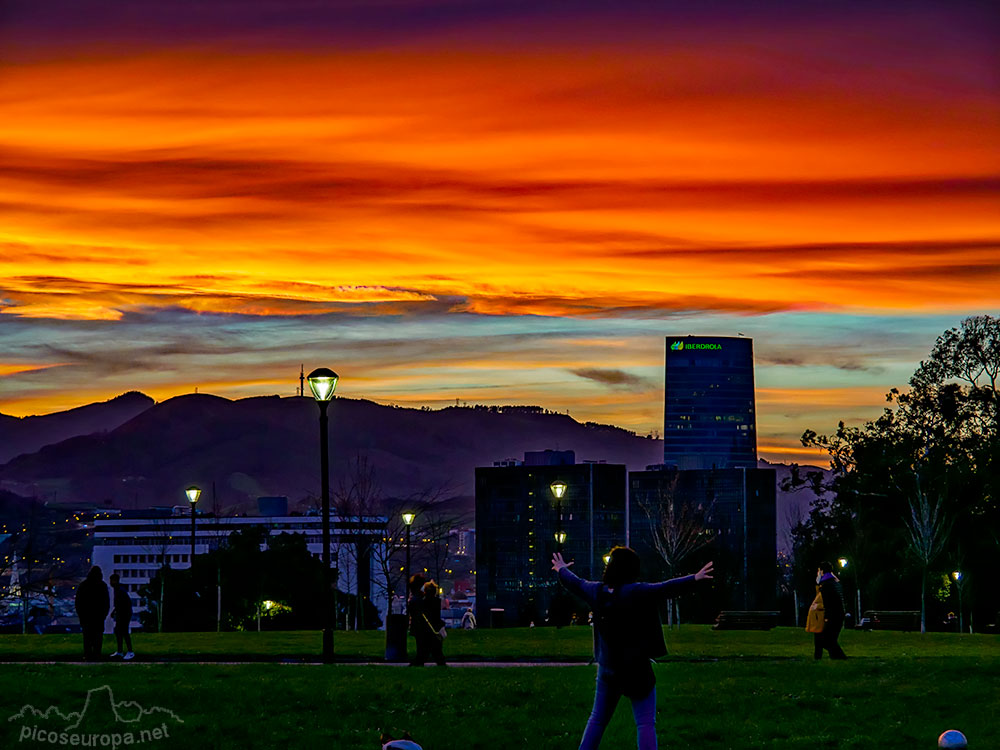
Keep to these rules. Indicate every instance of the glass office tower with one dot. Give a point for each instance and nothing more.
(709, 414)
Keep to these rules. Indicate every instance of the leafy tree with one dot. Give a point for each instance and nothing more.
(937, 439)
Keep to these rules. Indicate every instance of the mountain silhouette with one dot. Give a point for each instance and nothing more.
(270, 446)
(25, 435)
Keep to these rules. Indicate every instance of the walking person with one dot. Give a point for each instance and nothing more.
(627, 635)
(121, 613)
(434, 623)
(832, 597)
(92, 605)
(814, 622)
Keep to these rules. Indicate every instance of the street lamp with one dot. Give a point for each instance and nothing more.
(408, 521)
(843, 563)
(957, 575)
(193, 493)
(607, 559)
(322, 383)
(558, 489)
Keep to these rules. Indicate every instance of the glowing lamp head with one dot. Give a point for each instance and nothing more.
(322, 383)
(193, 493)
(560, 537)
(842, 561)
(408, 518)
(957, 575)
(558, 489)
(607, 559)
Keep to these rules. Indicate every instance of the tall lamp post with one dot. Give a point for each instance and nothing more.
(193, 493)
(408, 521)
(957, 575)
(322, 383)
(843, 562)
(558, 489)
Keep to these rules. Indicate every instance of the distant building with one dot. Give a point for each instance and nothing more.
(137, 544)
(709, 412)
(737, 509)
(517, 518)
(462, 542)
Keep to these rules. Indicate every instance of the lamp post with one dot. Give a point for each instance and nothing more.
(193, 493)
(843, 562)
(322, 383)
(957, 575)
(558, 489)
(408, 521)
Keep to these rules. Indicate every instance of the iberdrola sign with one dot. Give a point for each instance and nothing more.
(679, 346)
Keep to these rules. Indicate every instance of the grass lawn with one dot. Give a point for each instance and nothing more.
(717, 690)
(514, 644)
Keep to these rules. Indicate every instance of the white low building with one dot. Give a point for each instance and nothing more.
(136, 547)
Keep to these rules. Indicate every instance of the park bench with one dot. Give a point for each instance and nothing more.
(743, 620)
(884, 620)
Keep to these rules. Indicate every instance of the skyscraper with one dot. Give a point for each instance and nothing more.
(709, 413)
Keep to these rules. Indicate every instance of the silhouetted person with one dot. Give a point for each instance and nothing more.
(833, 612)
(433, 622)
(415, 615)
(122, 615)
(92, 605)
(627, 635)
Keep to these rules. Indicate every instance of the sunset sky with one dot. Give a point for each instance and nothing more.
(493, 202)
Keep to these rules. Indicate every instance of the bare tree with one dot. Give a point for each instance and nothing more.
(434, 533)
(159, 541)
(387, 555)
(35, 563)
(928, 532)
(679, 529)
(358, 498)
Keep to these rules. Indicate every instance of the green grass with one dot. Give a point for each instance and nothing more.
(718, 690)
(516, 644)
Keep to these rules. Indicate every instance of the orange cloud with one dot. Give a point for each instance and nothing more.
(566, 184)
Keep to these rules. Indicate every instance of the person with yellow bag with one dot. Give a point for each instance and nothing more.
(826, 614)
(814, 622)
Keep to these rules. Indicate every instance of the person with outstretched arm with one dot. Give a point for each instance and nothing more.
(627, 636)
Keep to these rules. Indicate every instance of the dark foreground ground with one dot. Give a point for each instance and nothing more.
(716, 690)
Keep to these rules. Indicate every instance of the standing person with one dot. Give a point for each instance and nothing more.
(433, 622)
(415, 615)
(833, 612)
(627, 635)
(92, 605)
(122, 615)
